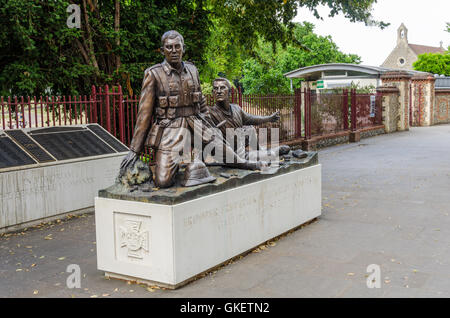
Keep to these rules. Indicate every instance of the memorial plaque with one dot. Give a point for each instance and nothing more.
(31, 147)
(56, 129)
(11, 155)
(72, 144)
(110, 140)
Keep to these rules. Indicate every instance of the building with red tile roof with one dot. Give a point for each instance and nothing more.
(405, 54)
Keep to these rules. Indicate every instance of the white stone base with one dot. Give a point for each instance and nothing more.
(41, 192)
(168, 245)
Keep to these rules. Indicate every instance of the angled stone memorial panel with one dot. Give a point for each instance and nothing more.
(48, 172)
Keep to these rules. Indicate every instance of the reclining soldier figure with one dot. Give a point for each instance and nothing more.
(170, 104)
(232, 117)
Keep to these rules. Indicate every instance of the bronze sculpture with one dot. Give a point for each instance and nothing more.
(171, 102)
(231, 116)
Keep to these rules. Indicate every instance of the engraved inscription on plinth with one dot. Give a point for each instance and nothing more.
(132, 237)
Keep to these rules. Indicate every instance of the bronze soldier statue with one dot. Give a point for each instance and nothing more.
(232, 116)
(171, 102)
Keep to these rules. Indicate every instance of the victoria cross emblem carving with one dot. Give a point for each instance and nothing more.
(134, 238)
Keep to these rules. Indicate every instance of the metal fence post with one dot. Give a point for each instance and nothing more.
(93, 105)
(121, 115)
(298, 112)
(305, 118)
(353, 110)
(240, 96)
(3, 115)
(107, 110)
(310, 114)
(345, 108)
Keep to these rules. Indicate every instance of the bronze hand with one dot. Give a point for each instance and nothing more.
(127, 162)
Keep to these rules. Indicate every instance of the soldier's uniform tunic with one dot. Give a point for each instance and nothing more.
(170, 101)
(236, 118)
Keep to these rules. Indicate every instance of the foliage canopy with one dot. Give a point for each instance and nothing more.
(118, 39)
(435, 63)
(265, 73)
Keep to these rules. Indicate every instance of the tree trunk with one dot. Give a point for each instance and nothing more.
(117, 29)
(90, 45)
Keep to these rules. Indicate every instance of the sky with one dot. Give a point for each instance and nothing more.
(425, 21)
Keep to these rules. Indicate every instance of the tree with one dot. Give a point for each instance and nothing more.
(435, 63)
(238, 25)
(245, 20)
(119, 39)
(265, 72)
(116, 42)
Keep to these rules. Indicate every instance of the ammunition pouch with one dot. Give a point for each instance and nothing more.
(175, 112)
(196, 97)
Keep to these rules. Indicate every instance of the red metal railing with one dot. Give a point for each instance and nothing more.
(328, 114)
(20, 112)
(303, 114)
(289, 107)
(366, 110)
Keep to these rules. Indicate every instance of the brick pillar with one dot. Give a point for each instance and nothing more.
(390, 107)
(400, 80)
(422, 99)
(441, 106)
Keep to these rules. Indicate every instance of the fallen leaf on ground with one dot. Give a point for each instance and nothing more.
(35, 292)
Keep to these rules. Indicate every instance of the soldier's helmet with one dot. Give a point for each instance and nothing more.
(196, 173)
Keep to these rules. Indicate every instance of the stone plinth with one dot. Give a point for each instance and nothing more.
(168, 237)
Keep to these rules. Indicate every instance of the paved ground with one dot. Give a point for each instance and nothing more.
(386, 201)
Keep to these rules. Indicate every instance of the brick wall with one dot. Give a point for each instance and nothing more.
(441, 106)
